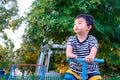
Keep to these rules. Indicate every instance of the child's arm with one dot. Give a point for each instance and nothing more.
(69, 52)
(93, 45)
(91, 56)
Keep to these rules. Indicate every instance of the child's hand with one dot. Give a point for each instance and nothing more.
(89, 59)
(72, 55)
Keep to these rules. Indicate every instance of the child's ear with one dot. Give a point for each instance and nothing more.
(89, 27)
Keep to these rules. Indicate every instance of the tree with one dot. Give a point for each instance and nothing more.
(53, 19)
(8, 20)
(26, 54)
(7, 55)
(8, 11)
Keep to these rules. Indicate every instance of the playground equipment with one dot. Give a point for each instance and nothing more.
(42, 65)
(84, 64)
(44, 58)
(13, 75)
(42, 76)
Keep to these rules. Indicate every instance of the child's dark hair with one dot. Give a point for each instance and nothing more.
(88, 18)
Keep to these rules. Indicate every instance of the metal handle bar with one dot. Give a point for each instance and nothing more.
(83, 60)
(84, 64)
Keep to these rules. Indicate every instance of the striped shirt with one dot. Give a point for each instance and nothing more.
(82, 49)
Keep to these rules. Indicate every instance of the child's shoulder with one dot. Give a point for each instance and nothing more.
(72, 37)
(91, 37)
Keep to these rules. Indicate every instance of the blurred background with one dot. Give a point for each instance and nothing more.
(26, 25)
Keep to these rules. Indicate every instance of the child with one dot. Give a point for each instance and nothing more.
(82, 45)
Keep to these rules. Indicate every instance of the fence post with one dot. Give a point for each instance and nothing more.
(12, 70)
(42, 77)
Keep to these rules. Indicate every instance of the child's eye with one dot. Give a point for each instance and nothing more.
(74, 24)
(79, 23)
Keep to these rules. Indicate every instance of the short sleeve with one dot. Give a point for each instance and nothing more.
(93, 42)
(70, 41)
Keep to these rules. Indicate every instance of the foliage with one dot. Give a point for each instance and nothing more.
(8, 19)
(53, 19)
(8, 11)
(27, 55)
(7, 55)
(59, 62)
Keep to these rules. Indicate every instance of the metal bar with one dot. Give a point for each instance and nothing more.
(83, 60)
(12, 70)
(84, 70)
(84, 64)
(26, 65)
(47, 62)
(42, 77)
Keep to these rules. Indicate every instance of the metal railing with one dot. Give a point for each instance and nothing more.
(41, 76)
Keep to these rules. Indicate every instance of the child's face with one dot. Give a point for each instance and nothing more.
(80, 26)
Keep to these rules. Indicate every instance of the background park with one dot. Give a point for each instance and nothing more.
(52, 21)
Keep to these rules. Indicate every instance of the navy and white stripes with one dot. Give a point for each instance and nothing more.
(82, 49)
